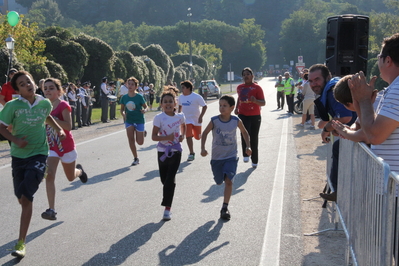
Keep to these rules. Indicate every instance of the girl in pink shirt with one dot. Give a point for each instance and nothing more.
(65, 150)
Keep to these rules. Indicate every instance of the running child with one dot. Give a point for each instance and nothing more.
(29, 148)
(169, 129)
(64, 151)
(133, 108)
(224, 148)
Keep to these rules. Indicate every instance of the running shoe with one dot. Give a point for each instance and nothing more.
(300, 125)
(167, 215)
(312, 128)
(136, 161)
(225, 214)
(191, 157)
(83, 175)
(49, 214)
(19, 250)
(246, 159)
(254, 165)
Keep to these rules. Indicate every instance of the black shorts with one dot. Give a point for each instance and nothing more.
(27, 174)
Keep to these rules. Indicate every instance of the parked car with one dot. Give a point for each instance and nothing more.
(212, 88)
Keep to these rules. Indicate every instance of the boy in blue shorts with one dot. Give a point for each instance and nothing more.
(224, 148)
(29, 148)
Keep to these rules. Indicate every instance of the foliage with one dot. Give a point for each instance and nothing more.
(56, 71)
(28, 47)
(158, 55)
(210, 52)
(136, 49)
(56, 31)
(46, 12)
(38, 71)
(129, 62)
(118, 68)
(69, 54)
(100, 55)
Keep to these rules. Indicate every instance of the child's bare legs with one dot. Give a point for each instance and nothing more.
(130, 131)
(71, 171)
(190, 144)
(26, 216)
(304, 115)
(228, 189)
(52, 164)
(312, 118)
(139, 137)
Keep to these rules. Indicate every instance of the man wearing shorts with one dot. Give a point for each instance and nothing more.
(190, 104)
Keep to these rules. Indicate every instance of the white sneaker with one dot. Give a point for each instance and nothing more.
(246, 159)
(254, 165)
(136, 161)
(167, 215)
(309, 122)
(300, 125)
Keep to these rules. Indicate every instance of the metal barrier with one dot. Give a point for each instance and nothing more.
(365, 209)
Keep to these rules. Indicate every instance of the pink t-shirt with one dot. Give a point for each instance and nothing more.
(68, 144)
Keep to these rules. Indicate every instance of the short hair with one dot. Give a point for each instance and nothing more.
(342, 92)
(16, 76)
(136, 81)
(247, 69)
(229, 99)
(168, 88)
(188, 84)
(168, 92)
(390, 47)
(325, 72)
(56, 82)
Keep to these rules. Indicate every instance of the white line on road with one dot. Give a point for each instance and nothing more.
(271, 243)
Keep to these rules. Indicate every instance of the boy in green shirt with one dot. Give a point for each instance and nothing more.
(29, 148)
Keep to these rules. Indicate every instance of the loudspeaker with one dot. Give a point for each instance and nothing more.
(347, 44)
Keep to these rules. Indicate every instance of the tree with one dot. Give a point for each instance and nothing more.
(46, 11)
(158, 55)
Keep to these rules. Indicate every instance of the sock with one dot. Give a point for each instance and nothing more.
(225, 205)
(167, 208)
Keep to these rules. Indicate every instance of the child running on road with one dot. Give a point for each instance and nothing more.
(29, 148)
(64, 151)
(169, 129)
(133, 108)
(224, 148)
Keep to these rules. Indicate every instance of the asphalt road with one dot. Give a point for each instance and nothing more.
(115, 218)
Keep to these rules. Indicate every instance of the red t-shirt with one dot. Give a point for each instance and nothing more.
(7, 91)
(245, 106)
(68, 144)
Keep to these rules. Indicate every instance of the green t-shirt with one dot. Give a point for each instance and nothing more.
(133, 107)
(27, 120)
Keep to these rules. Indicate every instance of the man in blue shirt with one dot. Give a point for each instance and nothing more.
(329, 109)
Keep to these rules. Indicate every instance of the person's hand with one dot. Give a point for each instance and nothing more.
(181, 138)
(359, 87)
(170, 137)
(253, 99)
(325, 136)
(340, 128)
(62, 134)
(21, 142)
(204, 152)
(248, 151)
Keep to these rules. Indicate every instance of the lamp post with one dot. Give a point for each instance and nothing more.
(189, 14)
(10, 46)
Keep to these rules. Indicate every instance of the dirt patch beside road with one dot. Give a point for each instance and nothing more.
(327, 248)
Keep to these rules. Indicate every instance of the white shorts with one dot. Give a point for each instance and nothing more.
(69, 157)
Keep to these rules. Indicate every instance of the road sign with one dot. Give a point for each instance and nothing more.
(300, 68)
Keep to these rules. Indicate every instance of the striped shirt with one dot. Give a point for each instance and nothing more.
(389, 107)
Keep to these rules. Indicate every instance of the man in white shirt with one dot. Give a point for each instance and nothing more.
(104, 100)
(190, 104)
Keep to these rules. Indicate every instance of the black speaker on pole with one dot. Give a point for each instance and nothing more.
(347, 44)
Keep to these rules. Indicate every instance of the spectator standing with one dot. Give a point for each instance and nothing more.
(104, 92)
(289, 92)
(7, 90)
(72, 98)
(112, 101)
(151, 95)
(308, 102)
(190, 104)
(224, 148)
(90, 93)
(249, 102)
(83, 93)
(280, 92)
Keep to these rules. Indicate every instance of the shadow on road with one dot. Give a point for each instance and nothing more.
(5, 250)
(216, 191)
(121, 250)
(191, 249)
(97, 178)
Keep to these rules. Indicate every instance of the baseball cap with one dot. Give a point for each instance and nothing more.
(12, 70)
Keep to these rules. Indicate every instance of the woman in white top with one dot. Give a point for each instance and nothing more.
(308, 102)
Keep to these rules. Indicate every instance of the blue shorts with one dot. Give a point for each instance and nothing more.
(27, 174)
(222, 168)
(138, 127)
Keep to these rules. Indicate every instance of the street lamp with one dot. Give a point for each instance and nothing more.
(189, 14)
(10, 46)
